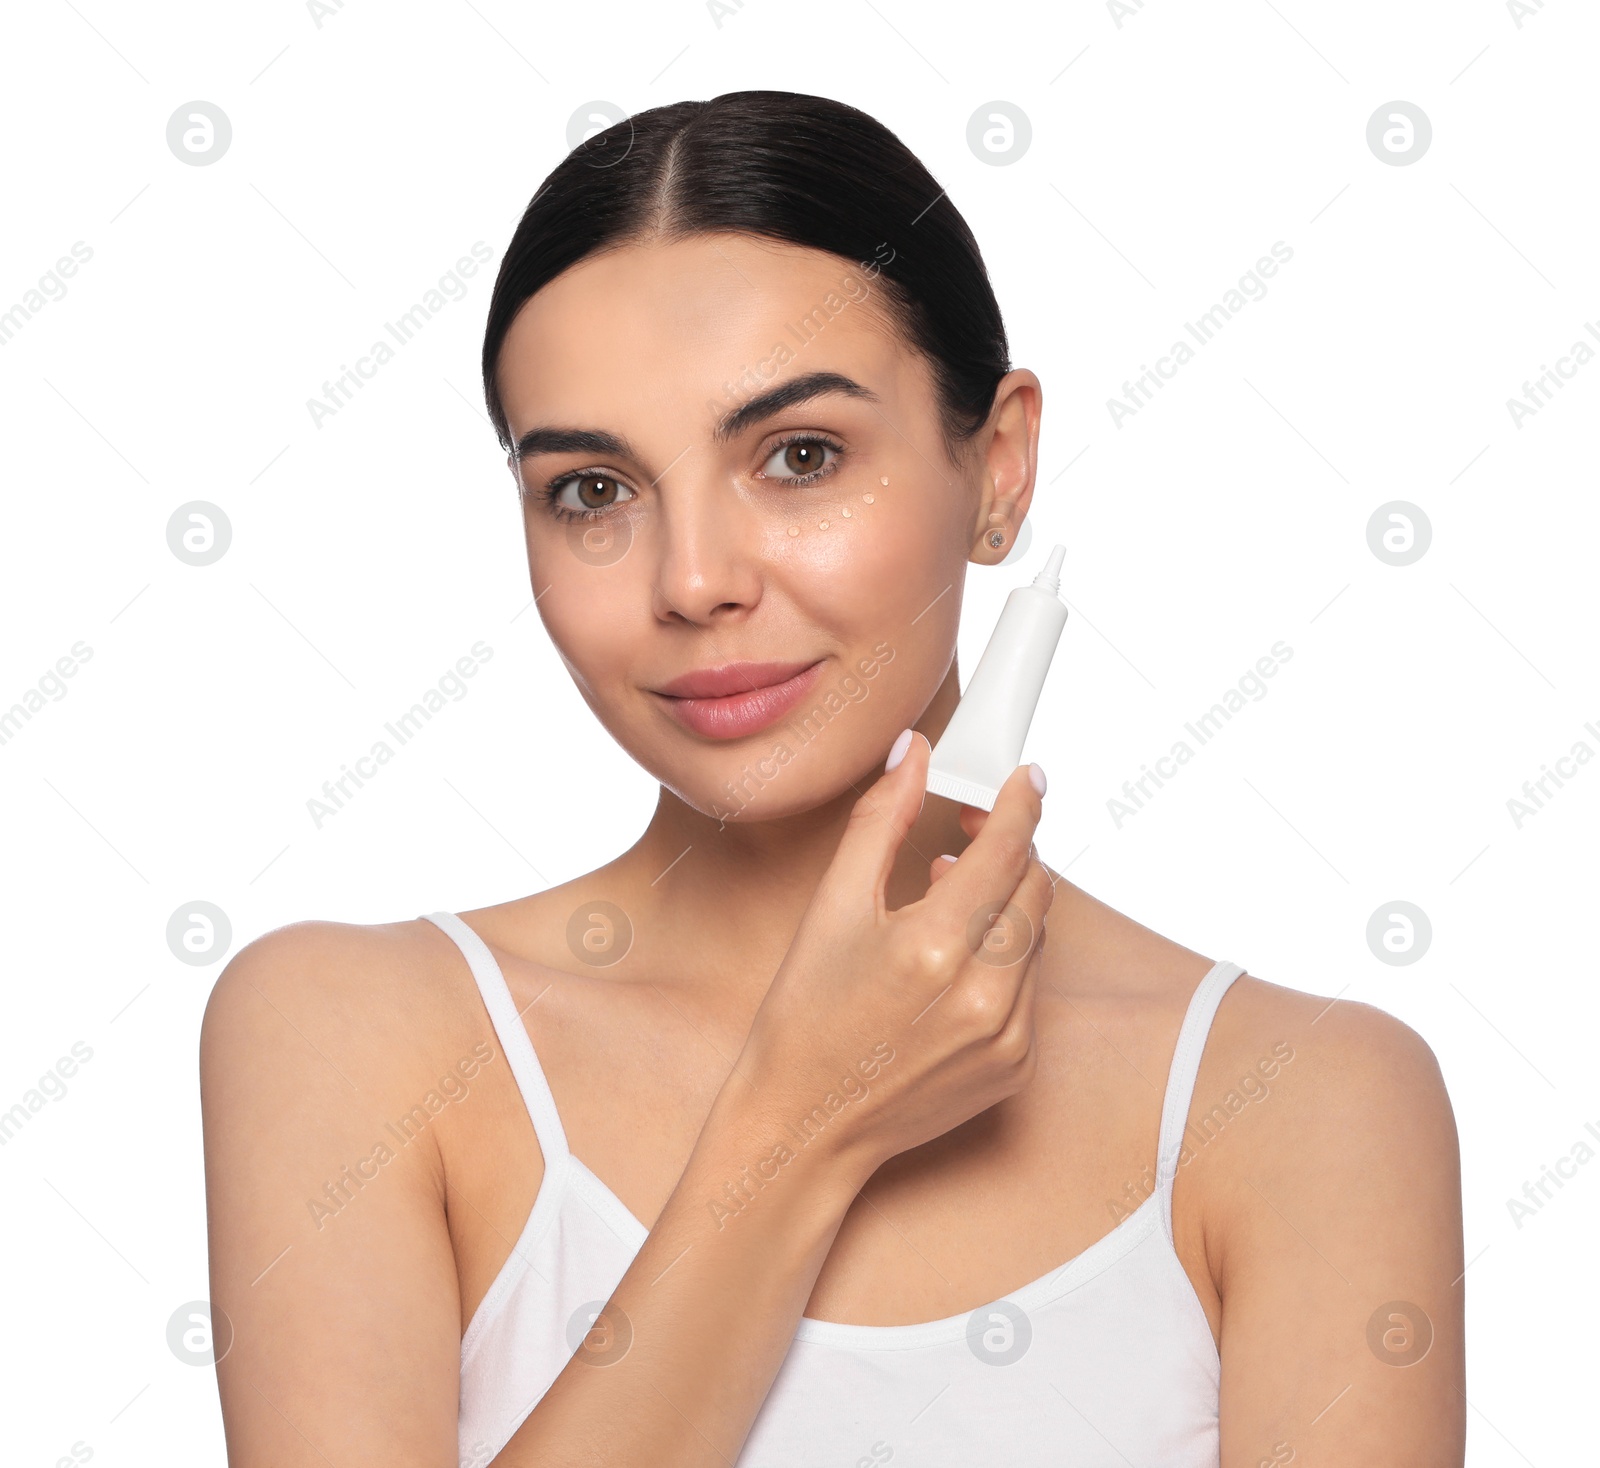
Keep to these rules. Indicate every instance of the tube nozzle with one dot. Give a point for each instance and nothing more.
(1050, 577)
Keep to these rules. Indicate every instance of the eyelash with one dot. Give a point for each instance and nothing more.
(551, 491)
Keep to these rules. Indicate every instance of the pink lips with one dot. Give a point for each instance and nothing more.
(739, 699)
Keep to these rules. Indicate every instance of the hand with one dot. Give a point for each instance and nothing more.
(918, 1018)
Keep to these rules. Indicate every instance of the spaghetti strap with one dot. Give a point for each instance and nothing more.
(1181, 1077)
(514, 1038)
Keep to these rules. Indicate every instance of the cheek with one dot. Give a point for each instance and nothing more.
(873, 572)
(597, 645)
(585, 576)
(885, 587)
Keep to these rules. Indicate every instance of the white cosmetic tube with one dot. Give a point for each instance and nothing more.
(982, 743)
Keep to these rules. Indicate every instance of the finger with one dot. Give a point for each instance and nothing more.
(995, 862)
(1013, 928)
(971, 818)
(939, 866)
(1022, 1010)
(878, 824)
(1032, 897)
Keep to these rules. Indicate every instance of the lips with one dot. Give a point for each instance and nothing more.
(731, 678)
(738, 699)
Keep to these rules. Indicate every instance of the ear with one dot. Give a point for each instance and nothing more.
(1010, 456)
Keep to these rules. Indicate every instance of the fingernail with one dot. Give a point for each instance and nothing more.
(1036, 774)
(897, 750)
(948, 858)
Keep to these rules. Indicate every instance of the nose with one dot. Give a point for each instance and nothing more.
(707, 552)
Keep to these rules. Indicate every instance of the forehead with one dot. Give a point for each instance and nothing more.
(696, 326)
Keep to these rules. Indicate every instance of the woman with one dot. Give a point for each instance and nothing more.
(886, 1175)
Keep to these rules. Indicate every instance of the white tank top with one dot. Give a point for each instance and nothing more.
(1104, 1362)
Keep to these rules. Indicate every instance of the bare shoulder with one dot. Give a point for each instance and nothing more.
(1352, 1064)
(370, 991)
(1337, 1088)
(325, 1020)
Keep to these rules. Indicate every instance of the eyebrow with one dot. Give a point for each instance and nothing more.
(764, 405)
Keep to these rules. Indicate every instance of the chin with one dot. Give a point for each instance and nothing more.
(773, 781)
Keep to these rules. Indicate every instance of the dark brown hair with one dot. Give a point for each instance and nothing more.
(788, 166)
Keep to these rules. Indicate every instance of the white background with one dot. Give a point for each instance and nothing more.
(1168, 153)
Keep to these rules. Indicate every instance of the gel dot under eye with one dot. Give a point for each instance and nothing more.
(883, 479)
(794, 530)
(867, 498)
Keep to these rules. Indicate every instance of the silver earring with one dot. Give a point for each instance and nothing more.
(997, 538)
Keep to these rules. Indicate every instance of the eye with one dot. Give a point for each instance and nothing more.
(591, 494)
(802, 459)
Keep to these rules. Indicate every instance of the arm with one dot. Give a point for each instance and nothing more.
(1337, 1243)
(685, 1352)
(343, 1300)
(346, 1315)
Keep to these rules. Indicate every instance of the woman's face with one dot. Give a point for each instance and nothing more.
(678, 522)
